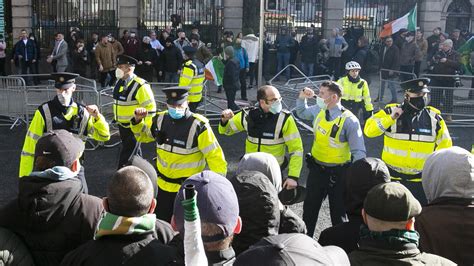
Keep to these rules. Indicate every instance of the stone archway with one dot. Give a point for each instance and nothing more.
(458, 15)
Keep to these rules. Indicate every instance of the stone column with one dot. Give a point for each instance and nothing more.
(333, 12)
(128, 15)
(22, 14)
(233, 15)
(429, 15)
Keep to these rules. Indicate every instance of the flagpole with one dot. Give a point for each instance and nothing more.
(260, 44)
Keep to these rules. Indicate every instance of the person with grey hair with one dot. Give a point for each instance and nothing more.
(445, 62)
(446, 224)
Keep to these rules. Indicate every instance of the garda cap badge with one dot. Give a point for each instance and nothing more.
(420, 83)
(174, 94)
(61, 79)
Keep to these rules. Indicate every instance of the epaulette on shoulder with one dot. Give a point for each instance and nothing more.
(388, 107)
(288, 112)
(201, 118)
(140, 80)
(433, 109)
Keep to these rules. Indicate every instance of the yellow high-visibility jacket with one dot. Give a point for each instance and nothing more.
(356, 92)
(406, 146)
(51, 116)
(183, 147)
(193, 76)
(266, 132)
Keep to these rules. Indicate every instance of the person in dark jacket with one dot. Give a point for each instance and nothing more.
(284, 44)
(132, 45)
(80, 59)
(433, 41)
(360, 56)
(294, 51)
(147, 59)
(390, 237)
(125, 234)
(13, 250)
(309, 51)
(25, 51)
(38, 57)
(409, 51)
(446, 224)
(170, 61)
(230, 81)
(361, 177)
(389, 56)
(51, 213)
(90, 47)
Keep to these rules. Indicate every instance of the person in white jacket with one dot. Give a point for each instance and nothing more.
(251, 42)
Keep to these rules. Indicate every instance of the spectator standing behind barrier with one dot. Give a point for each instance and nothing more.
(250, 43)
(132, 45)
(284, 43)
(158, 49)
(80, 59)
(241, 54)
(125, 235)
(308, 50)
(3, 55)
(118, 48)
(106, 61)
(433, 41)
(412, 131)
(58, 58)
(337, 45)
(182, 41)
(423, 46)
(230, 80)
(338, 141)
(361, 57)
(361, 176)
(90, 47)
(50, 213)
(389, 237)
(26, 51)
(170, 61)
(445, 62)
(390, 56)
(446, 224)
(408, 54)
(147, 60)
(457, 39)
(125, 35)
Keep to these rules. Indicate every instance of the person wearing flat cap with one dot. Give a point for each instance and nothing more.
(192, 76)
(62, 112)
(130, 92)
(185, 143)
(388, 236)
(412, 131)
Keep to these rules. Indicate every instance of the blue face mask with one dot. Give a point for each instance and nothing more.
(320, 102)
(176, 113)
(276, 107)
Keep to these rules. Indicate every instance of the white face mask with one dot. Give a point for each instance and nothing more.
(64, 98)
(119, 73)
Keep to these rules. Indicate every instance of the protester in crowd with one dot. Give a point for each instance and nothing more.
(155, 43)
(433, 41)
(445, 62)
(337, 45)
(50, 213)
(132, 45)
(399, 37)
(26, 51)
(457, 39)
(106, 61)
(3, 55)
(390, 57)
(231, 80)
(409, 51)
(58, 58)
(202, 54)
(446, 224)
(164, 35)
(294, 50)
(90, 47)
(284, 44)
(219, 213)
(71, 39)
(182, 41)
(360, 178)
(38, 57)
(442, 37)
(125, 35)
(250, 43)
(361, 56)
(147, 60)
(170, 61)
(322, 58)
(421, 56)
(308, 50)
(80, 59)
(126, 233)
(241, 54)
(289, 250)
(118, 48)
(388, 236)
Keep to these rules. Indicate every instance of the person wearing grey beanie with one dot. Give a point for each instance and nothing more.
(230, 81)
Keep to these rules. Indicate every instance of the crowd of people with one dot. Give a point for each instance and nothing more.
(245, 217)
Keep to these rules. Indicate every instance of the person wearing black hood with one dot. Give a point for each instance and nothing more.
(360, 178)
(51, 213)
(170, 61)
(147, 59)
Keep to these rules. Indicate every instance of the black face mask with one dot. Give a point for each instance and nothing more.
(418, 103)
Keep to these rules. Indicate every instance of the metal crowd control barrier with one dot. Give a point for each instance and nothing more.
(386, 83)
(453, 95)
(12, 101)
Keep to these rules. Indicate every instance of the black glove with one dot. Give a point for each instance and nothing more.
(368, 114)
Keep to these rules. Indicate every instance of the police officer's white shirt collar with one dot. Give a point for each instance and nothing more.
(132, 76)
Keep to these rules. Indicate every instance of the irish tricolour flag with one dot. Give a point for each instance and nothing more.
(406, 22)
(214, 70)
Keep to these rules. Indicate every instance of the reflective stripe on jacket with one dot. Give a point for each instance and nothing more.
(192, 76)
(356, 92)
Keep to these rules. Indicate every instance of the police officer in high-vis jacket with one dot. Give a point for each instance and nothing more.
(355, 91)
(130, 92)
(185, 144)
(192, 76)
(269, 129)
(338, 141)
(63, 112)
(412, 131)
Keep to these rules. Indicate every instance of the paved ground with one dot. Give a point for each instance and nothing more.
(100, 164)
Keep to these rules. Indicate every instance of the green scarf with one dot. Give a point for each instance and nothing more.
(111, 224)
(394, 236)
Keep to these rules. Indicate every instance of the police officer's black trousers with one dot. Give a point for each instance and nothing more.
(129, 146)
(164, 205)
(416, 188)
(193, 106)
(324, 181)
